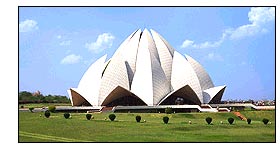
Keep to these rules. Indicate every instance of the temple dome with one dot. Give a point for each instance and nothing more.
(145, 70)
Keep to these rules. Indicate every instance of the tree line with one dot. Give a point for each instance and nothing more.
(37, 97)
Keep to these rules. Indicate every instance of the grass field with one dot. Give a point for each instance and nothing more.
(34, 127)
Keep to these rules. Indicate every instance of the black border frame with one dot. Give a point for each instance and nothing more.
(150, 7)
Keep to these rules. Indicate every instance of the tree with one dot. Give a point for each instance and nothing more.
(168, 110)
(112, 117)
(230, 120)
(138, 118)
(165, 119)
(208, 120)
(28, 97)
(24, 95)
(88, 116)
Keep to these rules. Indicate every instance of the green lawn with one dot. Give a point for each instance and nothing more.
(34, 127)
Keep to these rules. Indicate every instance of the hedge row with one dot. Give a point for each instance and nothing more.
(165, 119)
(231, 120)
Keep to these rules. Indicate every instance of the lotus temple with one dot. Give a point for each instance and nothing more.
(145, 71)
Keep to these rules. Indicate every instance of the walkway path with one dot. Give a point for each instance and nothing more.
(48, 137)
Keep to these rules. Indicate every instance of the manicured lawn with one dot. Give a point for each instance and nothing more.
(34, 127)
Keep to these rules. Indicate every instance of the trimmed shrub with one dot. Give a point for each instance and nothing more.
(47, 114)
(88, 116)
(52, 108)
(66, 115)
(249, 121)
(31, 109)
(265, 121)
(165, 119)
(21, 106)
(230, 120)
(138, 118)
(208, 120)
(168, 110)
(112, 117)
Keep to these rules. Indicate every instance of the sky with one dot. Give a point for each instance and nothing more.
(235, 45)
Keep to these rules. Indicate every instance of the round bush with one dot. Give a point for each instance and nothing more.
(138, 118)
(21, 106)
(112, 117)
(52, 108)
(47, 114)
(208, 120)
(230, 120)
(31, 109)
(249, 121)
(88, 116)
(165, 119)
(168, 110)
(66, 115)
(265, 121)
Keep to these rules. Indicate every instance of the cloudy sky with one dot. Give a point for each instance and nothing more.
(236, 45)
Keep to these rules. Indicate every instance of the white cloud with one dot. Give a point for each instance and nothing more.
(59, 37)
(213, 56)
(28, 25)
(210, 55)
(259, 18)
(261, 15)
(71, 59)
(65, 43)
(104, 41)
(189, 43)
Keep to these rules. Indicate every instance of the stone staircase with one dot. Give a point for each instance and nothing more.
(106, 109)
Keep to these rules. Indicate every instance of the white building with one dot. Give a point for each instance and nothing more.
(145, 70)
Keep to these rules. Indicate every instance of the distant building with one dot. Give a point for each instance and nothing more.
(145, 70)
(37, 93)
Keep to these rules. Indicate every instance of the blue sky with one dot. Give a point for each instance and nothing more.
(236, 45)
